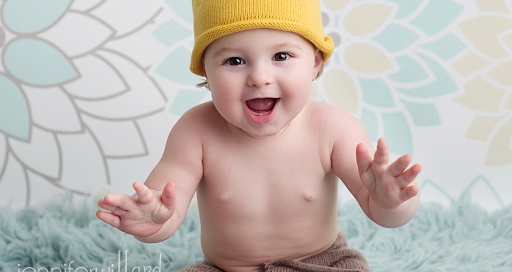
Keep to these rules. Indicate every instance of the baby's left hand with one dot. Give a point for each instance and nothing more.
(389, 184)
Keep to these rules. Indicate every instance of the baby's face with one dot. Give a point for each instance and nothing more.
(260, 79)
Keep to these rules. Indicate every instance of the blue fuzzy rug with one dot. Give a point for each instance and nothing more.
(64, 237)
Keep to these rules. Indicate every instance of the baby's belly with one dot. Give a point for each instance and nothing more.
(242, 232)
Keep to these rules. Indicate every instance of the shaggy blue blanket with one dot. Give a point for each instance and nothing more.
(65, 237)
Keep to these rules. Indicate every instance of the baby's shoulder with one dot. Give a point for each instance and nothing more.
(328, 114)
(199, 118)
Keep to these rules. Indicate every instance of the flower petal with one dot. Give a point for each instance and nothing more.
(83, 163)
(341, 89)
(507, 39)
(437, 15)
(28, 16)
(482, 127)
(41, 154)
(423, 114)
(171, 32)
(397, 133)
(117, 138)
(127, 16)
(175, 67)
(3, 152)
(38, 63)
(484, 33)
(442, 84)
(407, 7)
(184, 11)
(144, 96)
(396, 37)
(500, 150)
(335, 4)
(508, 103)
(14, 112)
(356, 21)
(38, 184)
(480, 95)
(84, 5)
(367, 59)
(431, 191)
(482, 191)
(68, 34)
(377, 93)
(502, 73)
(187, 99)
(470, 64)
(370, 121)
(52, 109)
(98, 79)
(446, 47)
(494, 6)
(410, 71)
(13, 189)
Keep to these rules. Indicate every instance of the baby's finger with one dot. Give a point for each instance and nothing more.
(363, 158)
(409, 175)
(144, 194)
(382, 153)
(106, 206)
(123, 202)
(409, 192)
(399, 166)
(169, 196)
(168, 206)
(109, 218)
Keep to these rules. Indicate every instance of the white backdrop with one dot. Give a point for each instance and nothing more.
(90, 88)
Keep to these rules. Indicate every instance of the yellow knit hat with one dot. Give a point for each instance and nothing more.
(216, 18)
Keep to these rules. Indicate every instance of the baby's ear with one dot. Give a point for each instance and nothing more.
(319, 64)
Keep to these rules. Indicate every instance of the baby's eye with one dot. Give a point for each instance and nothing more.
(281, 56)
(235, 61)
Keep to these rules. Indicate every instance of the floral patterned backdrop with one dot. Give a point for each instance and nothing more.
(90, 88)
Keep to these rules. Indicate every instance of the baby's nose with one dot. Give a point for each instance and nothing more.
(259, 76)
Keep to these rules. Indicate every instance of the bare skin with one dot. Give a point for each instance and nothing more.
(266, 176)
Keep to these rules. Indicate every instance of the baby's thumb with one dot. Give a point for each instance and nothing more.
(168, 199)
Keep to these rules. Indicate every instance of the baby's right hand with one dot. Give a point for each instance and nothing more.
(142, 214)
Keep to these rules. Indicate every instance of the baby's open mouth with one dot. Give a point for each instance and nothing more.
(261, 106)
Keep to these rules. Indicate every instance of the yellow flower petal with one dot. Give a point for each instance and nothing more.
(484, 33)
(367, 59)
(480, 95)
(341, 90)
(502, 73)
(470, 63)
(335, 4)
(508, 40)
(365, 19)
(499, 152)
(492, 5)
(508, 103)
(482, 126)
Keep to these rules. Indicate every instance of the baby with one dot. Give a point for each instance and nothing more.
(263, 158)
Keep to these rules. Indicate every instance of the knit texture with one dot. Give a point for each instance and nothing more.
(217, 18)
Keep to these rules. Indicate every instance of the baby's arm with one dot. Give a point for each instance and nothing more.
(386, 192)
(160, 205)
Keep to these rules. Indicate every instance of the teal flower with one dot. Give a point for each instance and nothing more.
(388, 70)
(177, 35)
(69, 105)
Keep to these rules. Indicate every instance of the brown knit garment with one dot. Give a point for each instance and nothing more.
(338, 257)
